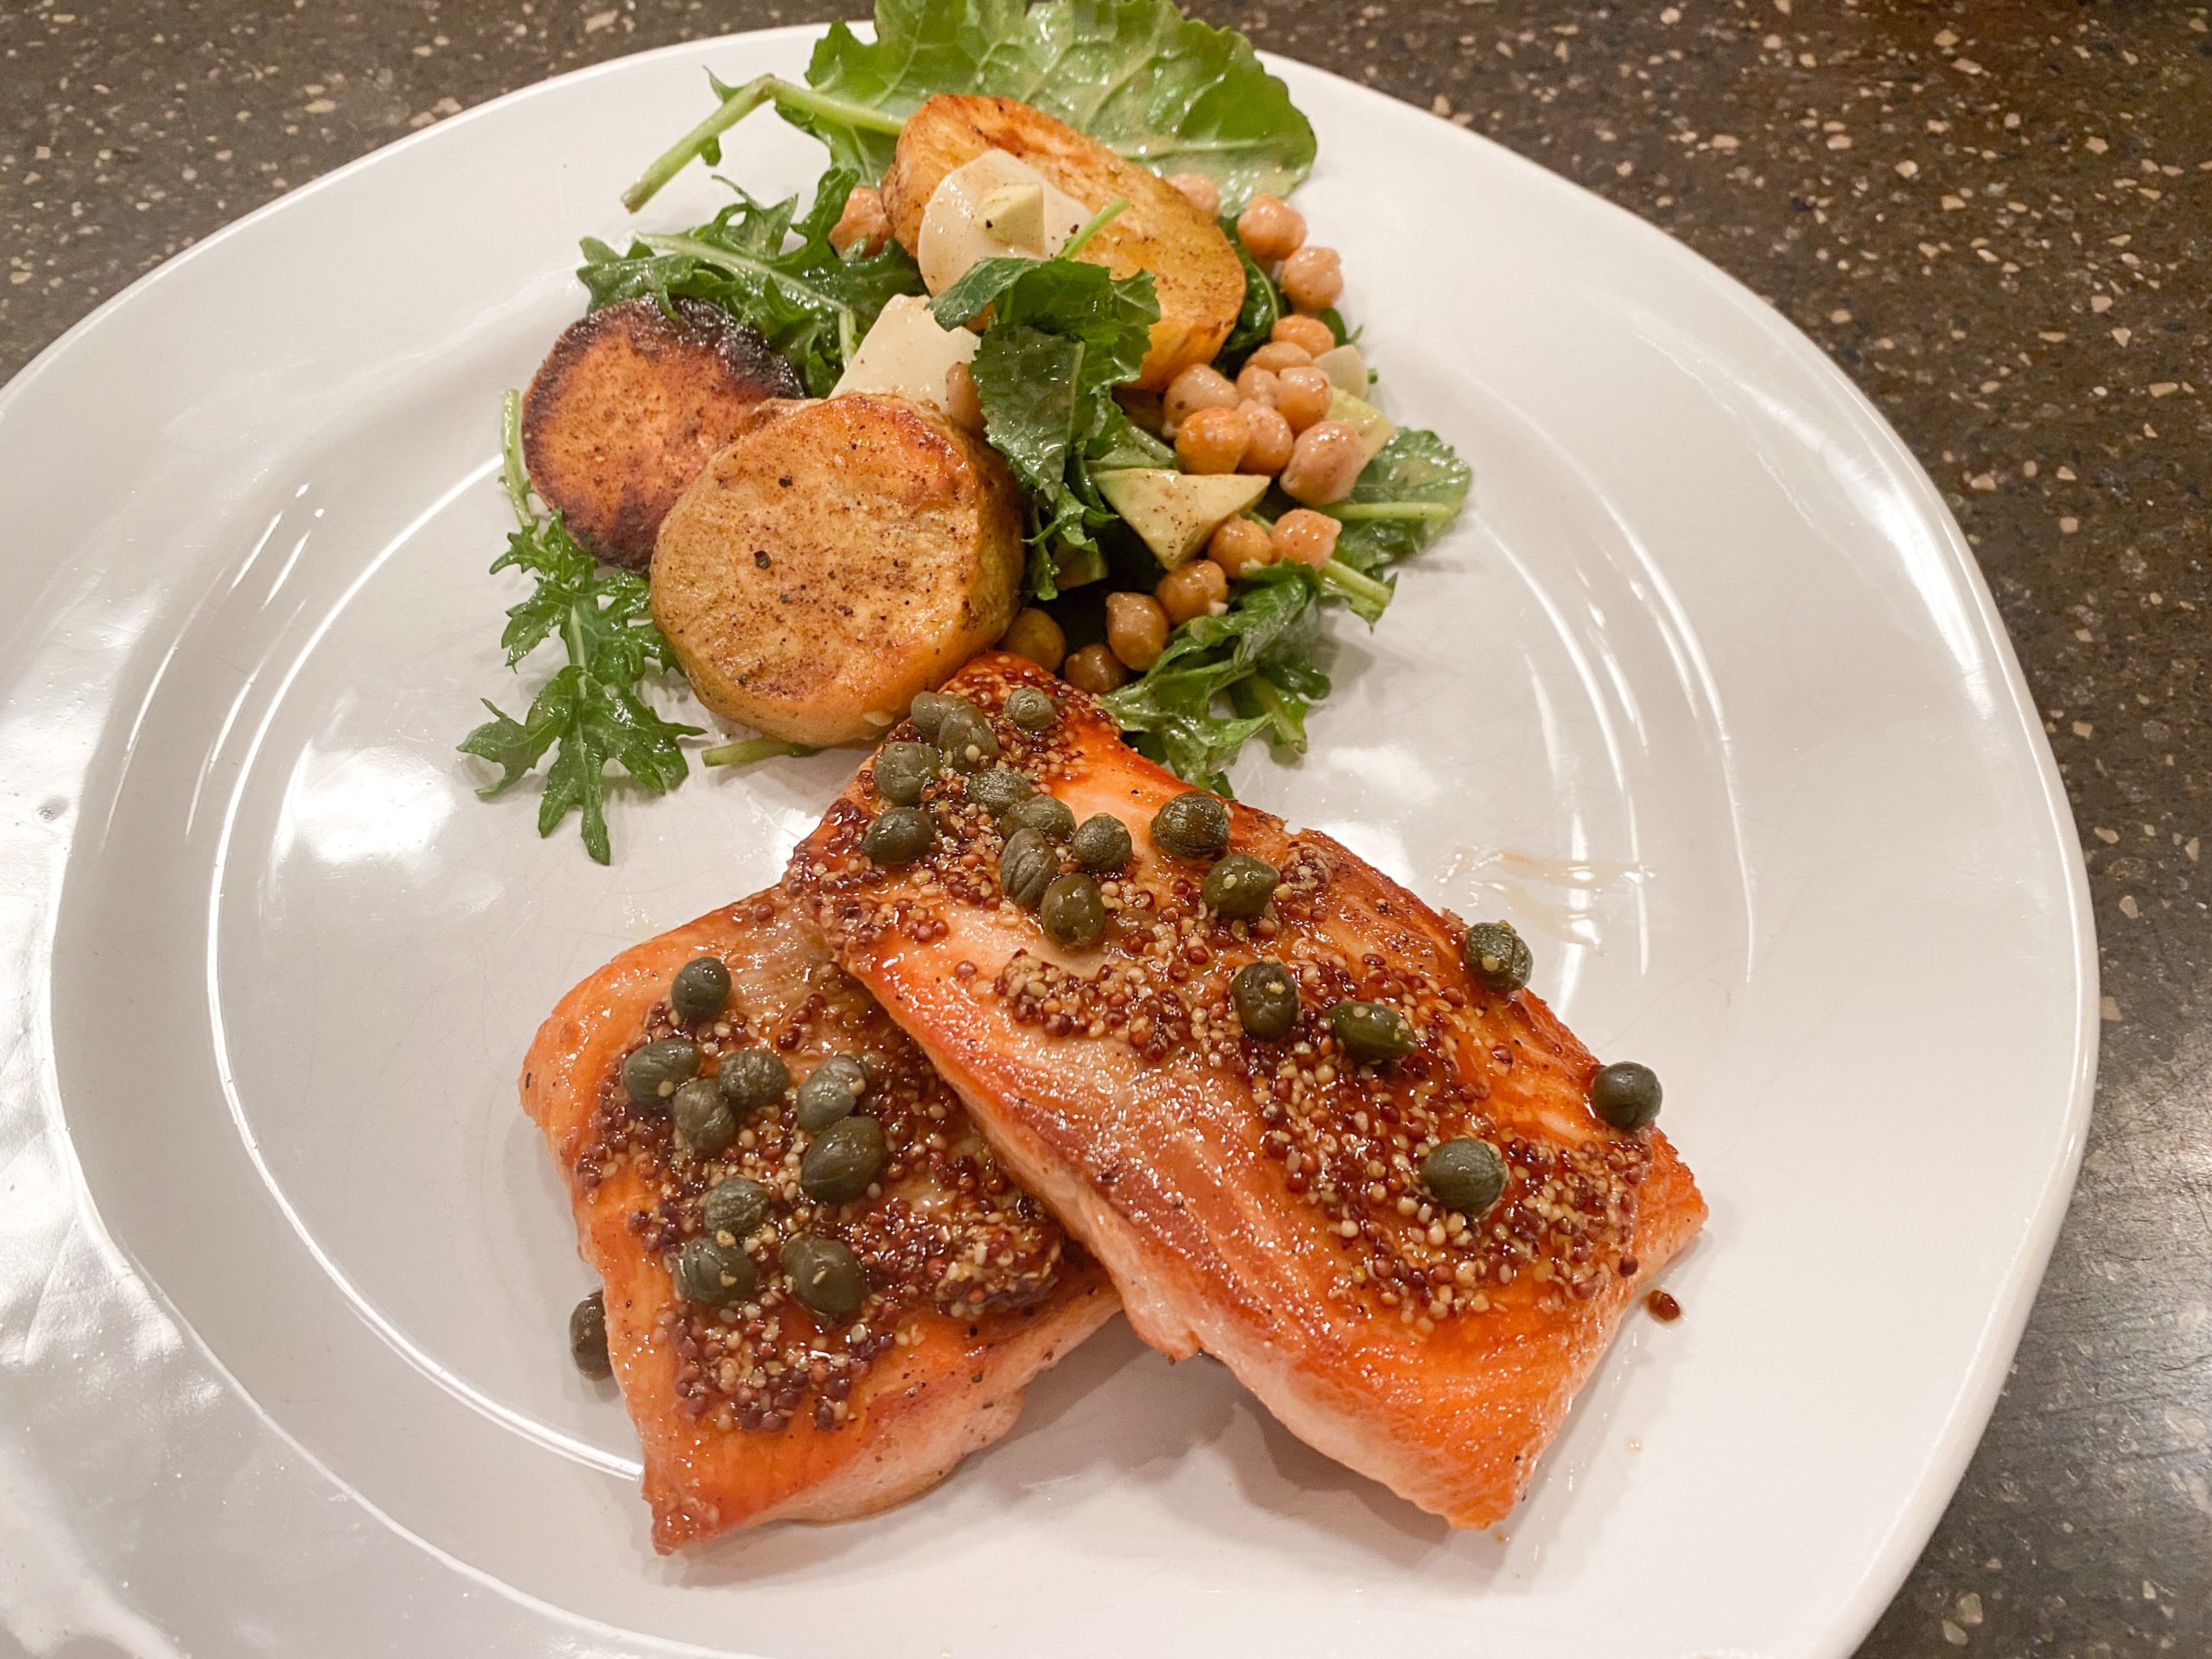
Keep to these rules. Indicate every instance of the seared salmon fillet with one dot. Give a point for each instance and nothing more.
(764, 1409)
(1264, 1199)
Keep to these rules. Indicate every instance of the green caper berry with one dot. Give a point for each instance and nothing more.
(653, 1073)
(1465, 1174)
(1073, 912)
(929, 709)
(1626, 1094)
(899, 834)
(587, 1336)
(825, 1275)
(1497, 957)
(703, 1117)
(714, 1274)
(1240, 886)
(737, 1206)
(1266, 998)
(831, 1090)
(966, 739)
(998, 790)
(700, 991)
(843, 1159)
(1027, 864)
(1031, 709)
(1049, 817)
(903, 769)
(1371, 1033)
(751, 1078)
(1193, 825)
(1100, 842)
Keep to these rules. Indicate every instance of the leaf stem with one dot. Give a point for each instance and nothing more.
(723, 259)
(741, 103)
(1347, 511)
(748, 750)
(1355, 585)
(1096, 223)
(511, 467)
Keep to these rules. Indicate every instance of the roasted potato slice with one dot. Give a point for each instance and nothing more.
(838, 557)
(629, 406)
(1197, 274)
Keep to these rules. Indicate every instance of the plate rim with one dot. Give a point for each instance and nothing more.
(1971, 1404)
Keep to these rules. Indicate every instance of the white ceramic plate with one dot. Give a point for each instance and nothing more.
(1705, 693)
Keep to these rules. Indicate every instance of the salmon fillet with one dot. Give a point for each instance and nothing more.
(1261, 1200)
(973, 1288)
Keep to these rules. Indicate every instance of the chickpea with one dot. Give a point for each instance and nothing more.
(1269, 452)
(1213, 440)
(1313, 277)
(1324, 463)
(1198, 387)
(1034, 634)
(1136, 629)
(863, 225)
(1095, 669)
(1271, 228)
(1278, 355)
(1199, 191)
(963, 404)
(1309, 537)
(1315, 336)
(1194, 590)
(1256, 386)
(1303, 396)
(1240, 547)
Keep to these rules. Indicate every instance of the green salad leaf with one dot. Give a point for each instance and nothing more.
(589, 715)
(1255, 319)
(772, 267)
(1164, 91)
(1404, 499)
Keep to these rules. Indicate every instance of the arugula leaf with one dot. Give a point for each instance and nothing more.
(1405, 499)
(1163, 90)
(1255, 319)
(771, 268)
(589, 715)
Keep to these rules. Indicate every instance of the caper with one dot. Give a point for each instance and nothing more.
(1049, 817)
(1240, 886)
(737, 1206)
(751, 1078)
(653, 1073)
(1027, 864)
(1497, 957)
(701, 990)
(1465, 1174)
(1266, 998)
(1626, 1094)
(999, 789)
(1193, 825)
(1100, 842)
(843, 1159)
(902, 769)
(899, 834)
(1073, 912)
(714, 1274)
(587, 1336)
(825, 1275)
(831, 1090)
(703, 1117)
(1031, 709)
(1371, 1033)
(967, 741)
(929, 709)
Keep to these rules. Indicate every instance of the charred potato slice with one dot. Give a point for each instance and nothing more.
(628, 407)
(838, 558)
(1200, 279)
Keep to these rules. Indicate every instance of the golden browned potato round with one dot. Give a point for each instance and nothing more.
(1197, 274)
(836, 559)
(627, 409)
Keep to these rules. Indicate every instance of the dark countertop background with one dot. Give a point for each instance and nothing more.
(1997, 218)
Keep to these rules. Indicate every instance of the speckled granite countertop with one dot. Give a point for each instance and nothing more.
(1997, 218)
